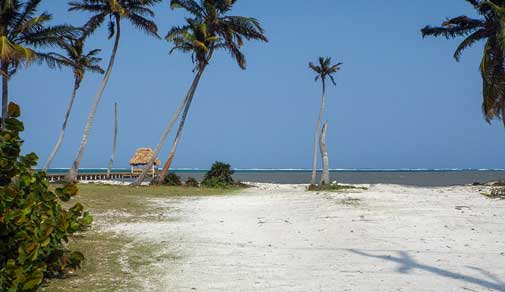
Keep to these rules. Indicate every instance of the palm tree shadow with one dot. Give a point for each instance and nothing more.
(407, 264)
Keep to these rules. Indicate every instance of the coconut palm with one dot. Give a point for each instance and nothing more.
(210, 28)
(80, 62)
(22, 32)
(324, 70)
(488, 28)
(138, 12)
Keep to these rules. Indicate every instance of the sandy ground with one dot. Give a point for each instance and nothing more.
(282, 238)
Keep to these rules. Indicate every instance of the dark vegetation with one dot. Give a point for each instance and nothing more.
(34, 226)
(220, 176)
(192, 182)
(172, 179)
(334, 188)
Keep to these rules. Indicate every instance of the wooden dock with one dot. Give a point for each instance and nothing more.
(56, 177)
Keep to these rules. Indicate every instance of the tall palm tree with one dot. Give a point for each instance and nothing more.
(489, 28)
(210, 28)
(80, 62)
(324, 70)
(138, 12)
(21, 33)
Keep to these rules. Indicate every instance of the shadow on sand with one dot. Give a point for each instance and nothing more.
(407, 264)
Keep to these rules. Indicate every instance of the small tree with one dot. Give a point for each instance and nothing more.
(219, 176)
(33, 223)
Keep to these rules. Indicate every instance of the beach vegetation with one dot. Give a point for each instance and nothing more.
(210, 28)
(192, 182)
(172, 179)
(488, 28)
(34, 225)
(220, 175)
(111, 12)
(335, 187)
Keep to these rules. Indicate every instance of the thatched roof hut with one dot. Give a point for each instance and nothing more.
(142, 157)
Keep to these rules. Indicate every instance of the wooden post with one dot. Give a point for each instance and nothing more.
(111, 162)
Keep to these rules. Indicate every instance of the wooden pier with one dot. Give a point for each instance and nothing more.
(56, 177)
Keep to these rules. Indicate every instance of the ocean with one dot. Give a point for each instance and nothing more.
(409, 177)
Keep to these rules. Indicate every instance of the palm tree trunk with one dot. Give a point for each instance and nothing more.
(191, 94)
(316, 140)
(64, 127)
(325, 177)
(5, 93)
(171, 154)
(170, 125)
(72, 174)
(114, 144)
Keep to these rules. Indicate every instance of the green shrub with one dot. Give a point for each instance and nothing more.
(219, 176)
(34, 226)
(172, 179)
(192, 182)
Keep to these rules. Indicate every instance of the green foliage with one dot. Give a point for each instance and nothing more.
(219, 176)
(23, 31)
(325, 69)
(211, 28)
(192, 182)
(488, 28)
(172, 179)
(34, 226)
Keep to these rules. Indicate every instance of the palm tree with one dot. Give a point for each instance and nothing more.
(209, 29)
(138, 13)
(324, 70)
(490, 28)
(80, 63)
(21, 33)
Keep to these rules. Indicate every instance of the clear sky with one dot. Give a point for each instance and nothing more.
(400, 101)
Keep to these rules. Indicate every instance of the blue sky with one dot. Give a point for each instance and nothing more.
(400, 101)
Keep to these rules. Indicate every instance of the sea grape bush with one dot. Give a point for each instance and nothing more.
(219, 176)
(34, 226)
(191, 182)
(172, 179)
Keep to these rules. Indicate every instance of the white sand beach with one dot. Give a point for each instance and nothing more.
(282, 238)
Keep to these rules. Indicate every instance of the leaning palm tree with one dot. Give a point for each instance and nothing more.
(324, 70)
(80, 62)
(210, 28)
(489, 28)
(22, 32)
(138, 13)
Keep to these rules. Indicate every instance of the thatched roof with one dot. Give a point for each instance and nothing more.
(142, 157)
